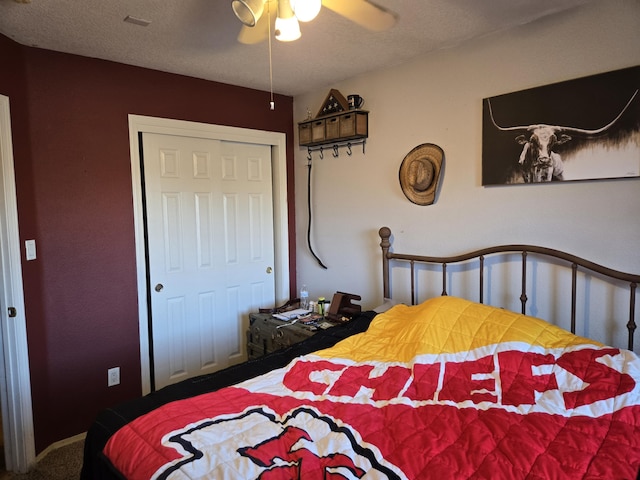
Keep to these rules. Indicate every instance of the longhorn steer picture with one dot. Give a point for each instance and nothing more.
(543, 152)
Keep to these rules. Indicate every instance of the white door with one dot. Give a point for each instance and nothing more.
(15, 387)
(210, 247)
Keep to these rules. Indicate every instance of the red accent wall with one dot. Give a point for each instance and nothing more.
(73, 178)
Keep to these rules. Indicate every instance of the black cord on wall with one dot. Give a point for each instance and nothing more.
(309, 224)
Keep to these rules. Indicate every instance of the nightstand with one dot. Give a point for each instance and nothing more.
(264, 336)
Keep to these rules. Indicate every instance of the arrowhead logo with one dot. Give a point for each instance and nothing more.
(258, 444)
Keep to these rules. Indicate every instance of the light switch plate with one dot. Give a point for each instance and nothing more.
(30, 249)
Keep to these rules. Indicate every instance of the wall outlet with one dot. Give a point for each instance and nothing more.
(113, 376)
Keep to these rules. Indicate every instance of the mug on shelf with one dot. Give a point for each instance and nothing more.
(355, 101)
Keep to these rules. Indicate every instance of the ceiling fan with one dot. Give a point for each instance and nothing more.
(255, 16)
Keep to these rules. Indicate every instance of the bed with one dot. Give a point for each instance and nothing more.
(434, 386)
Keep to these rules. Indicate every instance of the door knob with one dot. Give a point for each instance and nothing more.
(159, 287)
(269, 269)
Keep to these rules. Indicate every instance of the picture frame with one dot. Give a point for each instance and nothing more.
(582, 129)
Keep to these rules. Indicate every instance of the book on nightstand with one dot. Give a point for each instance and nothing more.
(292, 314)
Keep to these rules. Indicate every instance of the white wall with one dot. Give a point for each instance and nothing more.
(438, 99)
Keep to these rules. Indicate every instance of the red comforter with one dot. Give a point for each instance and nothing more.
(446, 389)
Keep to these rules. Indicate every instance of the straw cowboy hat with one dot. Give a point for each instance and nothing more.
(420, 173)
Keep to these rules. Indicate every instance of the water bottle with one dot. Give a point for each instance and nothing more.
(304, 297)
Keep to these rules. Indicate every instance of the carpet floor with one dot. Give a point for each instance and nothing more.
(63, 463)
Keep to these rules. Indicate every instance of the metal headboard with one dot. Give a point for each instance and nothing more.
(574, 261)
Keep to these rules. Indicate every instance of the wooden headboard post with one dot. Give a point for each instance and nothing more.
(607, 273)
(385, 234)
(523, 295)
(631, 325)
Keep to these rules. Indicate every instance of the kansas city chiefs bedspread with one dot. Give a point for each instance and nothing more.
(446, 389)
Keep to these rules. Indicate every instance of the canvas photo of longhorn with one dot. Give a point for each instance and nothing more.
(582, 129)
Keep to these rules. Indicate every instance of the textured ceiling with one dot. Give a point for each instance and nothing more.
(198, 38)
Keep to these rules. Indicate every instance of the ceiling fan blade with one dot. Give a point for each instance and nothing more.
(364, 13)
(260, 32)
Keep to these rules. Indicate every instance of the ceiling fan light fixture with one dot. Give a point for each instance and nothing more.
(248, 11)
(287, 26)
(306, 10)
(287, 29)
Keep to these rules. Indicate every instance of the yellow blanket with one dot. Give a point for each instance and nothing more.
(447, 325)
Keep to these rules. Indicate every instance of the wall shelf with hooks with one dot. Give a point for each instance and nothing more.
(334, 129)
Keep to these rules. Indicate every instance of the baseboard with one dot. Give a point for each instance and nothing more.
(60, 444)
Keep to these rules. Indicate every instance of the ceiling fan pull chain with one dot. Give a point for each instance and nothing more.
(272, 104)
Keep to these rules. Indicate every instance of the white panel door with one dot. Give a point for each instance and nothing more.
(211, 250)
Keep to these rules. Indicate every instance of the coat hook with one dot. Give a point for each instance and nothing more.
(309, 153)
(321, 153)
(336, 153)
(349, 152)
